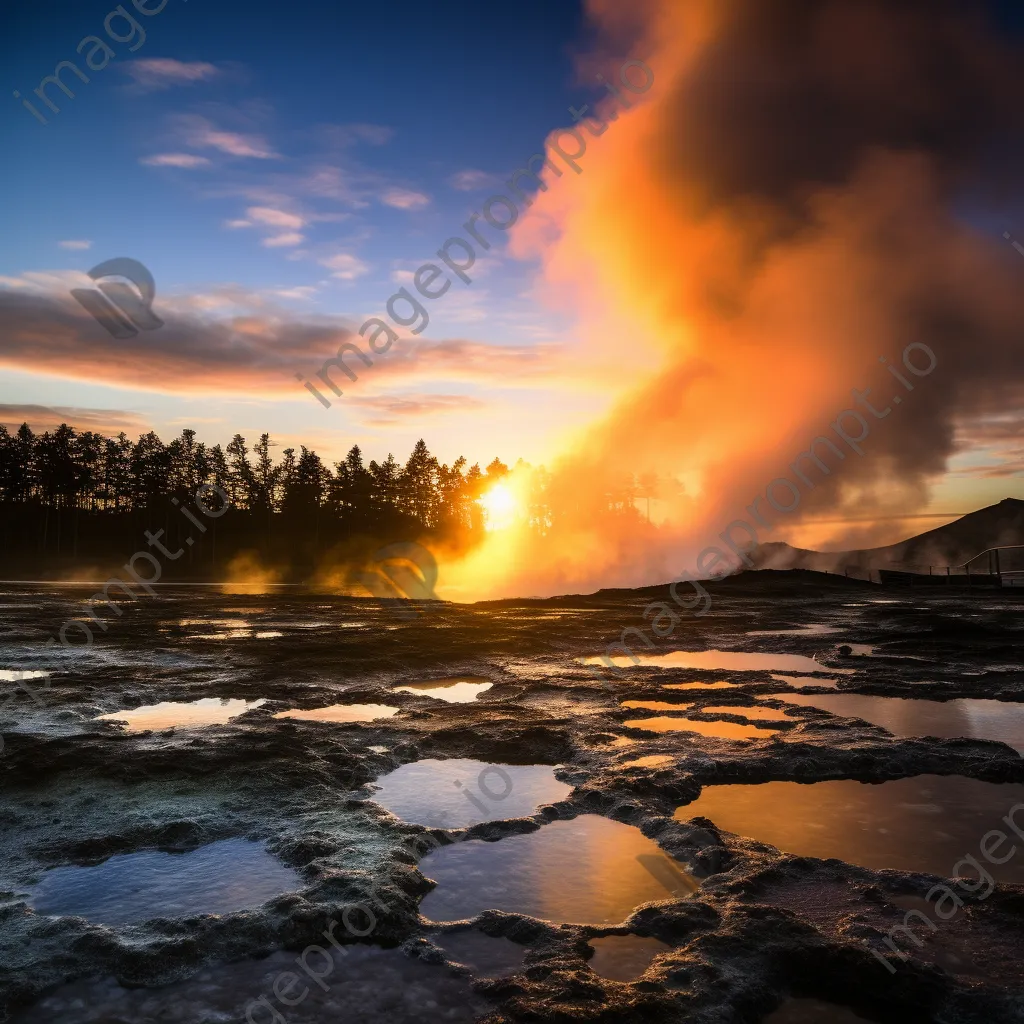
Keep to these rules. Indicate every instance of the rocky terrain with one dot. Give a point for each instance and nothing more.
(758, 929)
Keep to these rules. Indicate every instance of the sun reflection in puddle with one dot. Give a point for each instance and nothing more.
(459, 792)
(589, 870)
(650, 761)
(972, 718)
(728, 661)
(717, 730)
(804, 681)
(655, 705)
(925, 823)
(176, 714)
(753, 714)
(701, 686)
(460, 690)
(341, 713)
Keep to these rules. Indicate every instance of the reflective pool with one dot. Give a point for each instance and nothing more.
(220, 878)
(459, 792)
(461, 690)
(179, 715)
(718, 730)
(623, 957)
(589, 870)
(925, 823)
(903, 716)
(730, 661)
(341, 713)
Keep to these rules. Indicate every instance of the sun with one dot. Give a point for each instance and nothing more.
(500, 507)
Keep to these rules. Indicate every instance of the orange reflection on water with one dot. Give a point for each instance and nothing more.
(719, 730)
(341, 713)
(174, 714)
(700, 686)
(461, 690)
(655, 705)
(755, 714)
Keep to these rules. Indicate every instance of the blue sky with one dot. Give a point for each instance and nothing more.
(311, 160)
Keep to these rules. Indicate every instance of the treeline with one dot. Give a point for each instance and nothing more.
(68, 497)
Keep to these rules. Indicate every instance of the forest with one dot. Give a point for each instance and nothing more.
(79, 502)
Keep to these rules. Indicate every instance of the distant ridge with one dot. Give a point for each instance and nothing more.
(949, 545)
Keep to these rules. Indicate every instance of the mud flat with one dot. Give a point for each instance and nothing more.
(282, 808)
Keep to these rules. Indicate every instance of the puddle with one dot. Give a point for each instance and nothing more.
(650, 761)
(341, 713)
(702, 686)
(926, 823)
(15, 675)
(754, 714)
(804, 681)
(815, 629)
(589, 870)
(460, 792)
(623, 741)
(176, 714)
(728, 661)
(812, 1011)
(623, 957)
(655, 705)
(903, 716)
(367, 984)
(719, 730)
(219, 878)
(487, 957)
(462, 690)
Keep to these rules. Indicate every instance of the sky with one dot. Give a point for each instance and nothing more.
(800, 190)
(290, 168)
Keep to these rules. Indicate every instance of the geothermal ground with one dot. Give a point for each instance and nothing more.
(706, 838)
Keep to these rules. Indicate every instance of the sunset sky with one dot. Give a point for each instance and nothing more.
(282, 171)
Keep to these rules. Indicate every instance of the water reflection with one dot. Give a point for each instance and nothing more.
(219, 878)
(655, 705)
(804, 681)
(460, 792)
(730, 661)
(925, 823)
(461, 690)
(487, 957)
(583, 871)
(719, 730)
(650, 761)
(702, 686)
(812, 1011)
(175, 714)
(812, 629)
(341, 713)
(753, 714)
(902, 716)
(623, 957)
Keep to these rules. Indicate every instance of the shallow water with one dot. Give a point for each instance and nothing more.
(729, 661)
(220, 878)
(462, 690)
(719, 730)
(589, 870)
(650, 761)
(702, 686)
(926, 823)
(14, 675)
(460, 792)
(486, 956)
(804, 681)
(813, 1011)
(812, 629)
(382, 986)
(623, 957)
(903, 716)
(655, 705)
(341, 713)
(753, 714)
(177, 714)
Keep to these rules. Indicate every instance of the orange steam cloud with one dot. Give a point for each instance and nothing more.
(810, 185)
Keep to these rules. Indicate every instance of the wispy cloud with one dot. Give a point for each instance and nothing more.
(163, 72)
(185, 160)
(387, 410)
(344, 266)
(470, 180)
(45, 417)
(405, 199)
(203, 134)
(284, 240)
(275, 218)
(73, 243)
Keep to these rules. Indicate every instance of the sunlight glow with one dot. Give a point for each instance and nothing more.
(500, 507)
